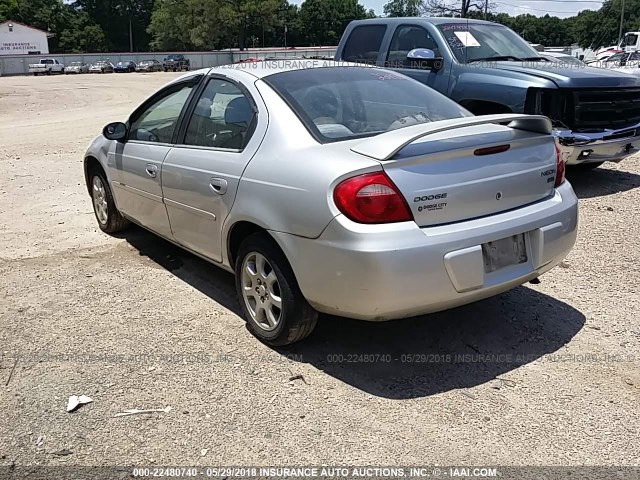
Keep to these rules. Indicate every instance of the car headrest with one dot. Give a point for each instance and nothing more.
(238, 112)
(203, 108)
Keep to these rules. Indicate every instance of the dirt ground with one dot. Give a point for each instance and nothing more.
(546, 374)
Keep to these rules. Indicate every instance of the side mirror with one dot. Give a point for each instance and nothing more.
(424, 58)
(115, 131)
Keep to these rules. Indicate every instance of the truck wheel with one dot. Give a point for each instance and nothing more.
(48, 72)
(166, 69)
(35, 74)
(275, 309)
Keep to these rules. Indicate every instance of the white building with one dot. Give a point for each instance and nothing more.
(19, 39)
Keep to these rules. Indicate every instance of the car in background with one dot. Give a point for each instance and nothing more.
(176, 62)
(76, 67)
(46, 66)
(358, 192)
(629, 63)
(149, 66)
(569, 60)
(102, 66)
(124, 67)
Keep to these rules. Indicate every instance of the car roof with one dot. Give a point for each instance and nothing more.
(265, 68)
(417, 20)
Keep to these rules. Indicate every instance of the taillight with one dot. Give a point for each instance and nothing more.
(559, 167)
(371, 198)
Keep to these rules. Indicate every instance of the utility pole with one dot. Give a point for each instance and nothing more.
(285, 36)
(130, 37)
(486, 9)
(621, 20)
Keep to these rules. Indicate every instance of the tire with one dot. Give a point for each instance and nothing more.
(296, 318)
(586, 166)
(110, 220)
(35, 74)
(48, 72)
(166, 69)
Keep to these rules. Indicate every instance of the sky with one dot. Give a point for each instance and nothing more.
(557, 8)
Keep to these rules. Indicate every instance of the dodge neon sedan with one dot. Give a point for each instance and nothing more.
(352, 191)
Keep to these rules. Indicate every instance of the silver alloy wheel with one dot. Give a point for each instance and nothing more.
(99, 195)
(261, 291)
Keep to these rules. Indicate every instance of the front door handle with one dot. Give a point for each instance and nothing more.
(152, 170)
(218, 185)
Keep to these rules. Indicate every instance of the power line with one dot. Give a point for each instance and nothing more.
(535, 9)
(568, 1)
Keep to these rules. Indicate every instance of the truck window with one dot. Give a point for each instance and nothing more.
(405, 39)
(635, 56)
(364, 44)
(630, 40)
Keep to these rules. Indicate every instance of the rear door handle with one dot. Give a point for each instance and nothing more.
(218, 185)
(152, 170)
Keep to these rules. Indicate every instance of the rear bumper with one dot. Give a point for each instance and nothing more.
(607, 146)
(383, 272)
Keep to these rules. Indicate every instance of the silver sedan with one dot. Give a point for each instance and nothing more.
(346, 190)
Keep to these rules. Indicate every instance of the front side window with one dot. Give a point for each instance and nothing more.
(157, 122)
(405, 39)
(364, 44)
(340, 103)
(222, 118)
(471, 42)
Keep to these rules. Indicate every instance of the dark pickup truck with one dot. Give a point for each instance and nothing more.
(176, 62)
(488, 68)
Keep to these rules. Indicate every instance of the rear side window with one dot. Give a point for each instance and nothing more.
(223, 117)
(364, 44)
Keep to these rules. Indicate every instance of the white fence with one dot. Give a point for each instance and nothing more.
(19, 64)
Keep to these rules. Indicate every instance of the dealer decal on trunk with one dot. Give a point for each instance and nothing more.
(431, 206)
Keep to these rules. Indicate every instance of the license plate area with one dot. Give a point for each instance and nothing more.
(504, 252)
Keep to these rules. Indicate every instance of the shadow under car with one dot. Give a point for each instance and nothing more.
(415, 357)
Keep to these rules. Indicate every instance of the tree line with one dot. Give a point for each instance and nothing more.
(142, 25)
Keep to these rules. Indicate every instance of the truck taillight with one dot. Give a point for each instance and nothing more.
(371, 198)
(560, 168)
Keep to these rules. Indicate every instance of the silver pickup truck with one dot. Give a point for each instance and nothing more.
(489, 69)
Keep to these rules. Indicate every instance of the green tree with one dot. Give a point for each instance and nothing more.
(82, 35)
(402, 8)
(323, 21)
(242, 16)
(185, 25)
(115, 17)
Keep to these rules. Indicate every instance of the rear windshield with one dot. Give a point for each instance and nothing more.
(340, 103)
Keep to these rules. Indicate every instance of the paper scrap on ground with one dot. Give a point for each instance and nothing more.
(76, 400)
(135, 411)
(467, 39)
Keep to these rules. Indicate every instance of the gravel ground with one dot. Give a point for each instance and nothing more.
(543, 375)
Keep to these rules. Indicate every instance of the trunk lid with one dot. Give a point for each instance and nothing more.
(448, 176)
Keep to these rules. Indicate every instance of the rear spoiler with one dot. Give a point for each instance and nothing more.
(386, 145)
